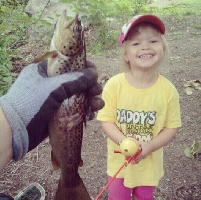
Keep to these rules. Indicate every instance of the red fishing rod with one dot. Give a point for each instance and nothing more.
(126, 162)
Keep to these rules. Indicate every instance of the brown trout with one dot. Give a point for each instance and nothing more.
(68, 53)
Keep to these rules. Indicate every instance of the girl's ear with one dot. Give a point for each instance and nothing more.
(126, 57)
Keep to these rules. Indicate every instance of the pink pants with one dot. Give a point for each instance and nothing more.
(117, 191)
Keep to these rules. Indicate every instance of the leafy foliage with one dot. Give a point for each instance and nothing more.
(193, 150)
(14, 26)
(13, 3)
(6, 77)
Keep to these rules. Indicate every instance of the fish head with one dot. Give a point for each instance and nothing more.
(75, 41)
(69, 43)
(68, 36)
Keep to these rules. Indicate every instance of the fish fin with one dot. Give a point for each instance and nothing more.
(45, 56)
(72, 21)
(76, 193)
(71, 120)
(55, 163)
(74, 123)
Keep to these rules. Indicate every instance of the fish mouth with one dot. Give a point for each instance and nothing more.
(78, 44)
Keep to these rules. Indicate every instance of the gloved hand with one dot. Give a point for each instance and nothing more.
(33, 99)
(94, 103)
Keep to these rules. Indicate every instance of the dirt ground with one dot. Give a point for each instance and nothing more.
(182, 180)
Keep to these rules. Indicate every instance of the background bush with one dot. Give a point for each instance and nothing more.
(14, 27)
(14, 24)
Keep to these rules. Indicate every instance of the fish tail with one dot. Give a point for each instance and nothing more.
(78, 192)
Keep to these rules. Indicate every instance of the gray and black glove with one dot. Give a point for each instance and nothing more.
(33, 99)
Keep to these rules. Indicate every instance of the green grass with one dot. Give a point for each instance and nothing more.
(191, 2)
(180, 8)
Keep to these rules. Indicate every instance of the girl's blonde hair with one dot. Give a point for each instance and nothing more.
(132, 33)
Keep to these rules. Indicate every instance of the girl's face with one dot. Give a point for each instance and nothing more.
(145, 48)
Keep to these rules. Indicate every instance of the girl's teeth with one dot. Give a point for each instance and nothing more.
(145, 56)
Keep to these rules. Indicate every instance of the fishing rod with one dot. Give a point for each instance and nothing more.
(126, 162)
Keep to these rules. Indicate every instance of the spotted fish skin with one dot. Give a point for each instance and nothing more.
(66, 128)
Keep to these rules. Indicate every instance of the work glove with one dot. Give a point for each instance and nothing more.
(33, 99)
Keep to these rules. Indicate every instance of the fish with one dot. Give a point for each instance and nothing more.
(68, 53)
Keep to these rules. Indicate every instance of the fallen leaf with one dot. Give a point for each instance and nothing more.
(189, 90)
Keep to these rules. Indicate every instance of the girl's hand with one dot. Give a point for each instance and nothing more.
(146, 151)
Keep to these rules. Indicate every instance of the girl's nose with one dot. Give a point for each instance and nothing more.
(145, 45)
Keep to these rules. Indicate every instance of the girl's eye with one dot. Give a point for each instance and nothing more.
(154, 41)
(135, 43)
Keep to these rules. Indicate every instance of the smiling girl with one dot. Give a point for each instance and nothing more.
(142, 104)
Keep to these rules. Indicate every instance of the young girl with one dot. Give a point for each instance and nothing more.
(142, 104)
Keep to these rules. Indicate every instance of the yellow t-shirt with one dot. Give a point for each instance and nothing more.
(142, 114)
